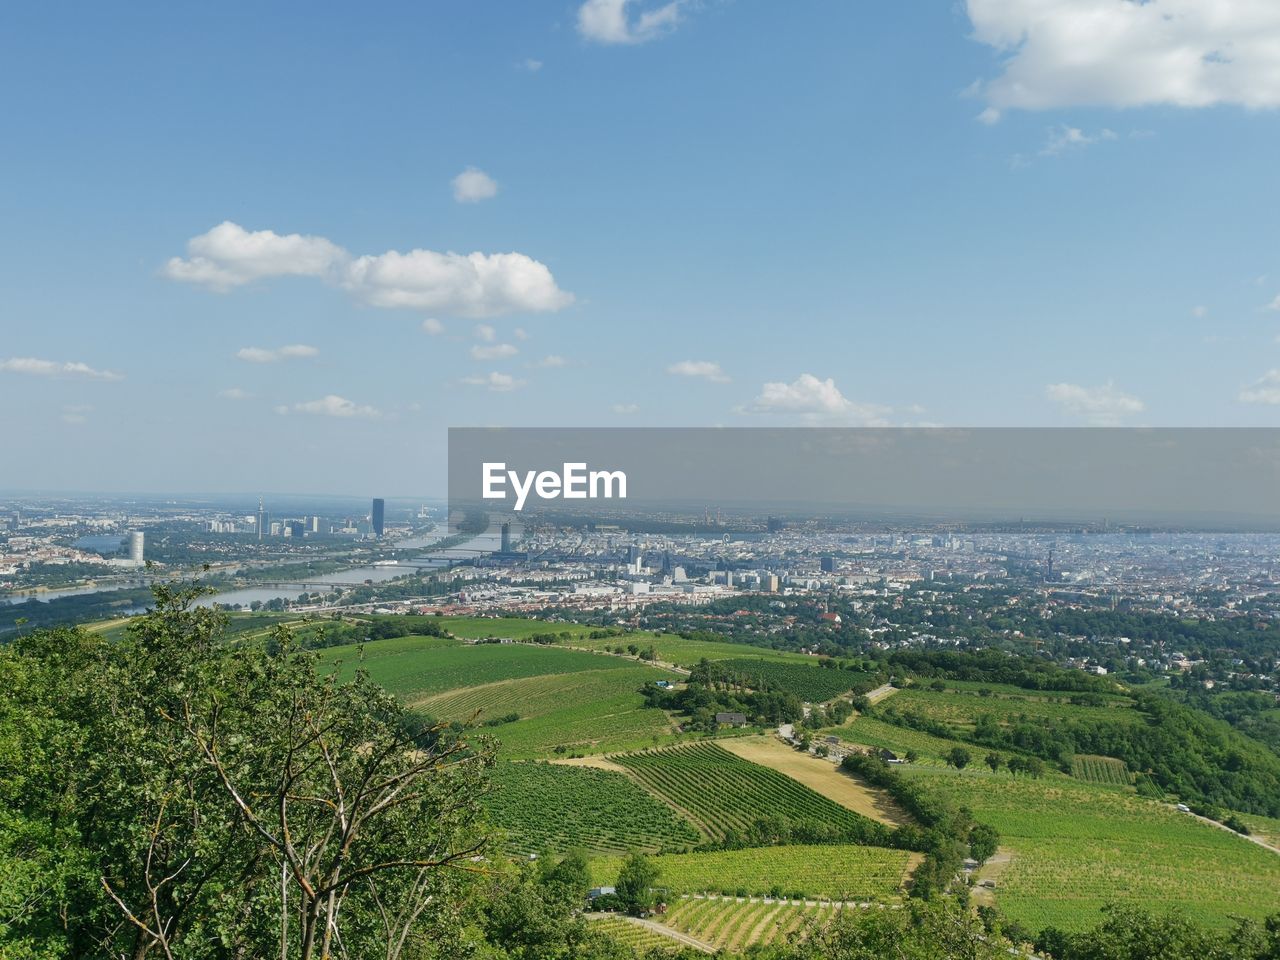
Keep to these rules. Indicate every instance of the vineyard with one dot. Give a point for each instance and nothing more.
(809, 682)
(683, 652)
(553, 809)
(633, 935)
(838, 872)
(1076, 846)
(417, 667)
(961, 710)
(724, 793)
(736, 924)
(1104, 770)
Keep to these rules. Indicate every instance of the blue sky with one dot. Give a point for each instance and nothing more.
(992, 212)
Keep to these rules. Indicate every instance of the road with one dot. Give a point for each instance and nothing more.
(1222, 826)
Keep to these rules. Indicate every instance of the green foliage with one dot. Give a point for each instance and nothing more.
(635, 884)
(739, 803)
(809, 682)
(559, 808)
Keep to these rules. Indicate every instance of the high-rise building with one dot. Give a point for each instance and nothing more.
(262, 518)
(828, 564)
(137, 547)
(378, 516)
(633, 553)
(506, 538)
(314, 525)
(295, 528)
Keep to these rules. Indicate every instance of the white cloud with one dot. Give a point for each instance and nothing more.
(552, 360)
(609, 21)
(1121, 53)
(521, 333)
(70, 369)
(530, 64)
(432, 326)
(234, 393)
(262, 355)
(497, 382)
(472, 285)
(330, 406)
(485, 332)
(817, 400)
(706, 369)
(229, 256)
(1274, 304)
(1200, 312)
(1102, 406)
(76, 413)
(1266, 389)
(625, 409)
(493, 352)
(473, 185)
(1063, 138)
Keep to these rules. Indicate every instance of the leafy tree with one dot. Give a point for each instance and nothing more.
(958, 757)
(983, 840)
(635, 884)
(994, 761)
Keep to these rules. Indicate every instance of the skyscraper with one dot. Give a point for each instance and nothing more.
(137, 547)
(506, 538)
(379, 509)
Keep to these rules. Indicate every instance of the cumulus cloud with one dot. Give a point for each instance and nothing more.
(233, 393)
(471, 285)
(1121, 53)
(494, 351)
(552, 360)
(612, 22)
(625, 409)
(230, 256)
(432, 326)
(485, 332)
(1200, 311)
(1063, 138)
(70, 369)
(497, 382)
(330, 406)
(1274, 304)
(1266, 389)
(473, 185)
(530, 64)
(817, 399)
(706, 369)
(1102, 406)
(263, 355)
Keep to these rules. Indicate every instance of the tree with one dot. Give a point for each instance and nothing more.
(958, 757)
(983, 840)
(994, 761)
(635, 884)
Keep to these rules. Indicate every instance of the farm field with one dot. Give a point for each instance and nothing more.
(516, 628)
(961, 709)
(736, 924)
(837, 872)
(1075, 846)
(1266, 829)
(554, 809)
(639, 938)
(417, 667)
(686, 653)
(724, 793)
(809, 682)
(1103, 770)
(870, 732)
(820, 776)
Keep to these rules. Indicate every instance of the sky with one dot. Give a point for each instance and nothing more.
(286, 246)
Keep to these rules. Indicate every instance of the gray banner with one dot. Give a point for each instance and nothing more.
(1201, 478)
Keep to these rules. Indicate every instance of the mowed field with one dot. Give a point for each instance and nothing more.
(836, 872)
(580, 701)
(1076, 846)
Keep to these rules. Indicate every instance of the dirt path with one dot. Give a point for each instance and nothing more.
(991, 870)
(599, 762)
(662, 930)
(820, 776)
(880, 692)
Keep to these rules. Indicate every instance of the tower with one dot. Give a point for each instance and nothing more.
(506, 538)
(262, 518)
(379, 511)
(137, 547)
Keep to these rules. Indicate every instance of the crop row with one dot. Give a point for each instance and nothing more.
(552, 808)
(736, 924)
(1106, 770)
(725, 793)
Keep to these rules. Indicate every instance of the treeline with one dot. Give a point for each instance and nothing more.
(1252, 636)
(993, 666)
(945, 831)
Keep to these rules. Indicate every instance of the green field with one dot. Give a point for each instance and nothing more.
(515, 628)
(552, 808)
(960, 710)
(843, 872)
(671, 648)
(868, 731)
(1104, 770)
(723, 793)
(809, 682)
(638, 938)
(734, 924)
(1075, 846)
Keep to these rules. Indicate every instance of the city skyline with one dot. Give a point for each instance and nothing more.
(668, 214)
